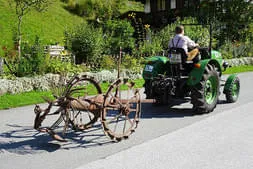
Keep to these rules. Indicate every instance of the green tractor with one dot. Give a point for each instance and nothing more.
(172, 77)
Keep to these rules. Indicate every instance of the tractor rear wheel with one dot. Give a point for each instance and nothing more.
(147, 86)
(204, 95)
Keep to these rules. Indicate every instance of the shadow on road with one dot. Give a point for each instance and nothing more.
(172, 110)
(24, 140)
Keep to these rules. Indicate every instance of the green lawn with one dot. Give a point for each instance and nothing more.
(49, 25)
(238, 69)
(29, 98)
(35, 97)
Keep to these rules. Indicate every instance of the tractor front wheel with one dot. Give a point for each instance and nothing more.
(233, 90)
(205, 94)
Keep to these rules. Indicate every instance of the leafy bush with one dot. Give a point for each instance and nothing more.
(118, 33)
(108, 62)
(132, 64)
(58, 67)
(236, 49)
(33, 60)
(199, 33)
(153, 46)
(86, 42)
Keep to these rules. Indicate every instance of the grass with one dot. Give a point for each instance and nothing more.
(48, 25)
(34, 97)
(22, 99)
(239, 69)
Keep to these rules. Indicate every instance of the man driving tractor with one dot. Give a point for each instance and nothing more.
(184, 42)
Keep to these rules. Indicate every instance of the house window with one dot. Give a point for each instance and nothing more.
(173, 4)
(161, 5)
(147, 8)
(189, 3)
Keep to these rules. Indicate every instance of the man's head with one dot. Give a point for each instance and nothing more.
(179, 29)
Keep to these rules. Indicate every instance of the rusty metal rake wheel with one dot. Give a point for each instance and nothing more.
(82, 89)
(78, 103)
(121, 110)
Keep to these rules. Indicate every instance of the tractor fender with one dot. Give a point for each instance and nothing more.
(154, 66)
(196, 74)
(229, 81)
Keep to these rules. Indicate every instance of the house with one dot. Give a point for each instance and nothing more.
(162, 12)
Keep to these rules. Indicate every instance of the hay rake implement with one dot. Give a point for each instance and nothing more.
(80, 103)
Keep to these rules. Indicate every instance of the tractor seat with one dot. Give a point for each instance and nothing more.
(189, 57)
(192, 54)
(180, 51)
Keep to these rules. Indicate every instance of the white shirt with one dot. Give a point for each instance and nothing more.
(181, 41)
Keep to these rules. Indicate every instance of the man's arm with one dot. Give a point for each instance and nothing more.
(190, 43)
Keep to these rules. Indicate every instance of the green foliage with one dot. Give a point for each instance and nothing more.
(236, 49)
(86, 42)
(132, 64)
(94, 9)
(157, 43)
(153, 46)
(33, 60)
(230, 17)
(118, 33)
(104, 10)
(198, 33)
(58, 67)
(107, 62)
(49, 25)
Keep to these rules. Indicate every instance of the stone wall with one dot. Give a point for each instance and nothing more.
(44, 83)
(240, 61)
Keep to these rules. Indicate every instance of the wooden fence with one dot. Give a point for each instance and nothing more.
(57, 51)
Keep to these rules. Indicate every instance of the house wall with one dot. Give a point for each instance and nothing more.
(165, 11)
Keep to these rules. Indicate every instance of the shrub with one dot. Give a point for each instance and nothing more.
(150, 47)
(86, 42)
(236, 49)
(58, 67)
(132, 64)
(108, 62)
(118, 33)
(33, 60)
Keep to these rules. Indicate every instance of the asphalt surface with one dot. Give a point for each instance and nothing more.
(223, 141)
(172, 137)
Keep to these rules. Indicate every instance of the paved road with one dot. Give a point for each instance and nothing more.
(22, 147)
(222, 141)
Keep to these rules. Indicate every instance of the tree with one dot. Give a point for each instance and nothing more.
(236, 15)
(233, 16)
(22, 8)
(97, 9)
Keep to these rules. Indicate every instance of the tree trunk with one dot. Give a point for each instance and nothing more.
(19, 36)
(1, 65)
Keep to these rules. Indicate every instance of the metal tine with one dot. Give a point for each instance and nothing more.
(58, 122)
